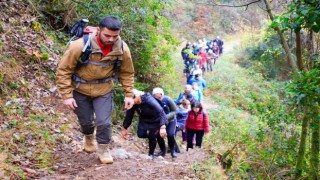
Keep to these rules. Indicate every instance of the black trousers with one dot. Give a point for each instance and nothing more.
(190, 134)
(171, 131)
(152, 137)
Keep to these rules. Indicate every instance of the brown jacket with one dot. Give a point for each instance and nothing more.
(68, 62)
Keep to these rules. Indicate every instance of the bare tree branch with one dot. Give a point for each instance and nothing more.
(227, 5)
(242, 5)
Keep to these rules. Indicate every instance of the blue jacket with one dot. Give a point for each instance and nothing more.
(190, 97)
(198, 94)
(182, 117)
(201, 83)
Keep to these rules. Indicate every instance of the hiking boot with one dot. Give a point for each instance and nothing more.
(161, 153)
(104, 154)
(89, 143)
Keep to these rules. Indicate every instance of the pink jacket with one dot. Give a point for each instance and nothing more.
(198, 122)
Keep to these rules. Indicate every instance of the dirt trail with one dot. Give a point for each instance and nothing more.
(130, 162)
(130, 158)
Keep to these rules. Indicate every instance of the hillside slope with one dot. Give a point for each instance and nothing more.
(39, 139)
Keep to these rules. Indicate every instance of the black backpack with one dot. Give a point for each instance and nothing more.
(164, 103)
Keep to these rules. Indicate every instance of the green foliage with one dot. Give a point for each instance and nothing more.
(304, 90)
(45, 56)
(36, 26)
(303, 97)
(300, 14)
(265, 55)
(27, 138)
(251, 117)
(1, 45)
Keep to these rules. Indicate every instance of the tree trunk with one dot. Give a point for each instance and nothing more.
(315, 147)
(284, 43)
(302, 146)
(310, 49)
(299, 52)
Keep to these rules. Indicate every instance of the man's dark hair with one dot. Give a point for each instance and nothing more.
(111, 23)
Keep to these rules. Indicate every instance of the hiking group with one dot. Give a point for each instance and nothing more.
(199, 58)
(85, 76)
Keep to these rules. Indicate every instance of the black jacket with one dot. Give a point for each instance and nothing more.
(151, 114)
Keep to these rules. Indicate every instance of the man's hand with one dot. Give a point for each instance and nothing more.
(163, 132)
(128, 102)
(70, 103)
(124, 133)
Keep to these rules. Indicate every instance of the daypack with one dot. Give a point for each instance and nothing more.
(164, 103)
(80, 29)
(203, 114)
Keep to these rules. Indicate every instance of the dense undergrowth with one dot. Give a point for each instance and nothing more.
(257, 125)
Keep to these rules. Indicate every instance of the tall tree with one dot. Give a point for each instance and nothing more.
(284, 43)
(305, 14)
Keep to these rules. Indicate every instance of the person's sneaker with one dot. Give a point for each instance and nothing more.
(173, 154)
(161, 153)
(104, 154)
(89, 143)
(151, 156)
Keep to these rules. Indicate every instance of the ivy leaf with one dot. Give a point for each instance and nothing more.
(295, 16)
(304, 12)
(274, 24)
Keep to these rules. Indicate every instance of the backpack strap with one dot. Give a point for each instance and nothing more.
(117, 66)
(86, 51)
(203, 114)
(85, 59)
(79, 80)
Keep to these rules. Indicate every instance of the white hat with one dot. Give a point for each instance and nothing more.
(136, 92)
(157, 90)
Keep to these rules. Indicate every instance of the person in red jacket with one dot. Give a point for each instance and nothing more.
(203, 61)
(197, 123)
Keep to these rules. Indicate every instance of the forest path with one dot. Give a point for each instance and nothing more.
(130, 157)
(130, 162)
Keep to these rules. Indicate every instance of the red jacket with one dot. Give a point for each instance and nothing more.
(204, 58)
(198, 122)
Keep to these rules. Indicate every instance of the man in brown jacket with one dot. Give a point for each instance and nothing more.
(87, 89)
